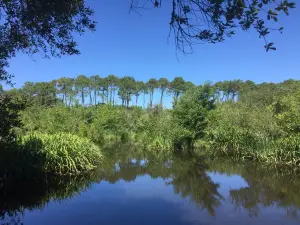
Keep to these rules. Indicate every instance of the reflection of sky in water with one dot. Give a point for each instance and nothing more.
(148, 201)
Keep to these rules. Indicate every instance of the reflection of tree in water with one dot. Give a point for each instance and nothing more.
(267, 186)
(186, 176)
(189, 179)
(18, 195)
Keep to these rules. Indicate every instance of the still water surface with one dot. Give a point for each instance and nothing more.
(161, 192)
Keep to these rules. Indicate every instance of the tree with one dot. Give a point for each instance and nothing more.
(152, 85)
(126, 90)
(163, 85)
(81, 85)
(188, 86)
(65, 87)
(44, 26)
(105, 90)
(45, 93)
(177, 87)
(139, 87)
(145, 92)
(229, 89)
(211, 21)
(192, 109)
(112, 82)
(40, 93)
(9, 114)
(96, 85)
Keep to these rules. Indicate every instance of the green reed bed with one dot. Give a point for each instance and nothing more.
(62, 153)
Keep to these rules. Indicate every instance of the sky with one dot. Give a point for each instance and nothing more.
(128, 44)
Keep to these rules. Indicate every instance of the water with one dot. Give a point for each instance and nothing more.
(147, 191)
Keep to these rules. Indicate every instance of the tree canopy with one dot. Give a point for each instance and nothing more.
(45, 26)
(212, 21)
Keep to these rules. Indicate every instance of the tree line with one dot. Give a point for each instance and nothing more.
(101, 90)
(112, 90)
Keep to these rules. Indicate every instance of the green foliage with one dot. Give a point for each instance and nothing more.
(192, 109)
(9, 118)
(81, 85)
(157, 131)
(239, 130)
(151, 130)
(62, 153)
(287, 111)
(152, 85)
(232, 118)
(127, 89)
(177, 87)
(163, 85)
(46, 27)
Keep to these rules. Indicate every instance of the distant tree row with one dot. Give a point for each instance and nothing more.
(101, 90)
(113, 90)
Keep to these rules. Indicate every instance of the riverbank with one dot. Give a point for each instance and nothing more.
(262, 124)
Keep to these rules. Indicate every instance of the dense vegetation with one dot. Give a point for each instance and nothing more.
(239, 119)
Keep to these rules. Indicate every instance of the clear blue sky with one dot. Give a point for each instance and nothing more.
(129, 44)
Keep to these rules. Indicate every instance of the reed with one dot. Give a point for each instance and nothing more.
(62, 153)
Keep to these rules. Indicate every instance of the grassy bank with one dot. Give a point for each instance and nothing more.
(59, 153)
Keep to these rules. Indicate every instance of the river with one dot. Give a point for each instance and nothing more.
(131, 190)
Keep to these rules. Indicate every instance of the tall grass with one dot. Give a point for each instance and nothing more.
(243, 132)
(62, 153)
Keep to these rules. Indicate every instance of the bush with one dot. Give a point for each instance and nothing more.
(62, 153)
(157, 131)
(234, 129)
(192, 110)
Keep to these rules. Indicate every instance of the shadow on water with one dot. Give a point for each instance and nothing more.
(189, 178)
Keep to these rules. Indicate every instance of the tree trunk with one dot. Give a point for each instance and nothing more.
(70, 101)
(107, 97)
(114, 97)
(136, 100)
(103, 94)
(110, 97)
(161, 98)
(82, 97)
(95, 97)
(151, 98)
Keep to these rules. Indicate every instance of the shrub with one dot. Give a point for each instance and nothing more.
(238, 130)
(62, 153)
(191, 111)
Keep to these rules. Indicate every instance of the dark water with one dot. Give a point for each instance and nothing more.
(167, 191)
